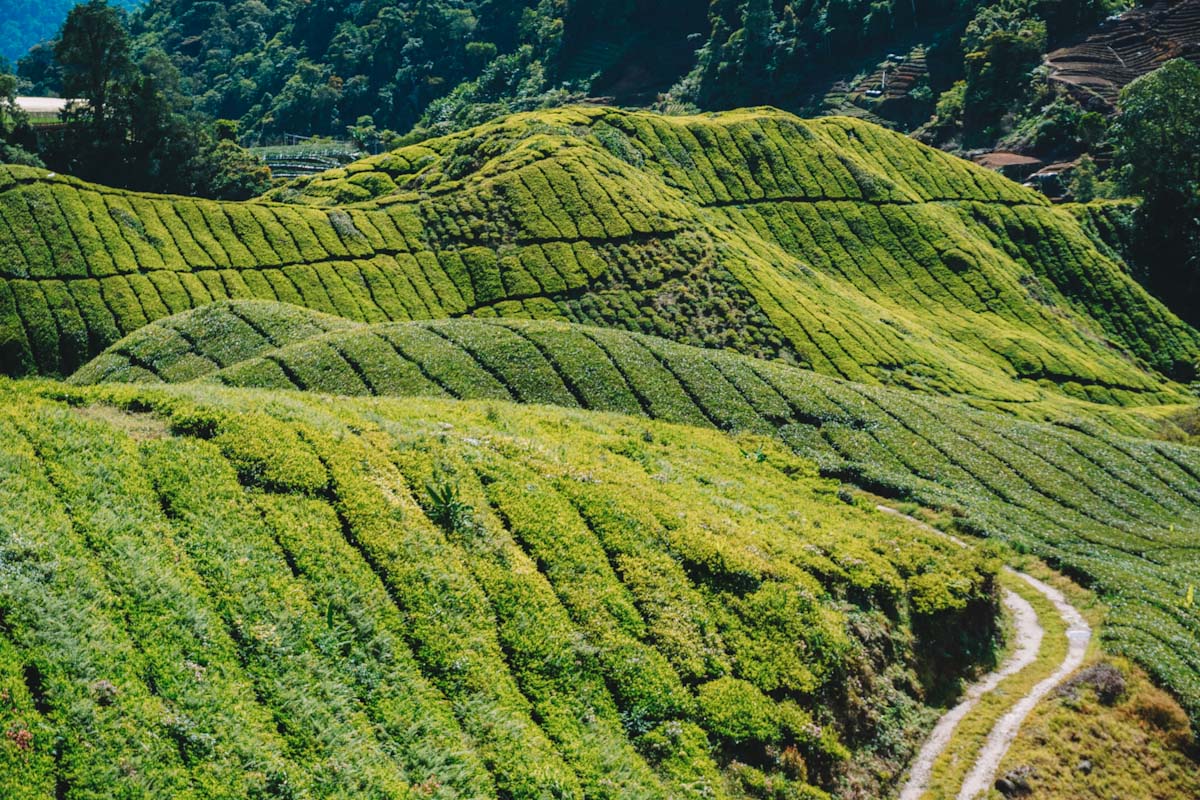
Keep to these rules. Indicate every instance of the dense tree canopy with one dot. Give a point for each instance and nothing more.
(317, 67)
(321, 66)
(382, 71)
(130, 122)
(1157, 137)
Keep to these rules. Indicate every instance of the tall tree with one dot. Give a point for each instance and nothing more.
(93, 51)
(134, 126)
(1157, 138)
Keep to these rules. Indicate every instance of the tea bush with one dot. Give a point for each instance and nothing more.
(830, 243)
(261, 599)
(1115, 511)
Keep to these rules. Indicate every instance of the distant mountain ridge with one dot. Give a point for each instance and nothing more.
(24, 23)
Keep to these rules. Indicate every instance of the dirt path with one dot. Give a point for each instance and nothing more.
(1079, 633)
(1027, 641)
(1027, 635)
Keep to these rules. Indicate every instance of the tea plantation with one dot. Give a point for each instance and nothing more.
(831, 244)
(518, 463)
(1116, 512)
(223, 593)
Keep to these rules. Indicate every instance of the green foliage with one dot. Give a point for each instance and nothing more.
(268, 453)
(94, 53)
(1001, 45)
(1084, 185)
(758, 52)
(130, 124)
(438, 67)
(24, 24)
(182, 582)
(320, 68)
(1156, 138)
(1059, 128)
(820, 243)
(234, 172)
(14, 125)
(1109, 509)
(737, 713)
(1156, 131)
(994, 90)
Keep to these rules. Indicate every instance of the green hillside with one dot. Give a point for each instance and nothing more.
(1118, 513)
(224, 593)
(519, 463)
(831, 244)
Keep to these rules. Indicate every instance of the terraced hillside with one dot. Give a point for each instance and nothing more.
(1123, 49)
(377, 487)
(832, 244)
(1119, 513)
(883, 95)
(221, 593)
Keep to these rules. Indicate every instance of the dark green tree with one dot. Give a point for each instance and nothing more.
(39, 71)
(1002, 44)
(134, 126)
(1157, 138)
(1083, 181)
(758, 23)
(93, 51)
(231, 172)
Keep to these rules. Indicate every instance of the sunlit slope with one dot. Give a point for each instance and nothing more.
(1120, 513)
(832, 244)
(213, 592)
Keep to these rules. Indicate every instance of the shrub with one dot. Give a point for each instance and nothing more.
(1159, 710)
(1105, 679)
(270, 453)
(738, 713)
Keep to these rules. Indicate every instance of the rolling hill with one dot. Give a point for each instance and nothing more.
(1118, 513)
(831, 244)
(519, 462)
(224, 593)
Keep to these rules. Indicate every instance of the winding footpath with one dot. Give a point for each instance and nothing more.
(1028, 634)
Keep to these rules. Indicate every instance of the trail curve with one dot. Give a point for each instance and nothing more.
(1028, 634)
